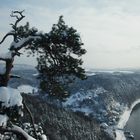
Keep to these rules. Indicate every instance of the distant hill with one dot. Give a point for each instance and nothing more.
(23, 67)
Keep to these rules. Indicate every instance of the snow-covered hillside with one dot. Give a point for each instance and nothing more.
(93, 104)
(103, 96)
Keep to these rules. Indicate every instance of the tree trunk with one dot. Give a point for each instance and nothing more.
(4, 78)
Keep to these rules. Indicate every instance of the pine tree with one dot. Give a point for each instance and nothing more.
(60, 58)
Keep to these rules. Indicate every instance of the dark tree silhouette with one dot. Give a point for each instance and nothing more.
(60, 58)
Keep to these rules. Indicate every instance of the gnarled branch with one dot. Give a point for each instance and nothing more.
(8, 34)
(18, 15)
(31, 117)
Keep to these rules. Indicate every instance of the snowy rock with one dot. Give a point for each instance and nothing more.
(103, 126)
(3, 120)
(10, 97)
(27, 89)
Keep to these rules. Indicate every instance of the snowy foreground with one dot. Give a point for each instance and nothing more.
(27, 89)
(11, 101)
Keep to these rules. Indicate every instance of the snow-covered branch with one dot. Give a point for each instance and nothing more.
(23, 42)
(18, 131)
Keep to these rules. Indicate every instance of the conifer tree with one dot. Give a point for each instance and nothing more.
(60, 58)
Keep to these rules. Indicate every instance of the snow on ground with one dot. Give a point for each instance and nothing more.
(118, 71)
(90, 73)
(123, 120)
(81, 95)
(10, 97)
(27, 89)
(3, 120)
(84, 101)
(94, 72)
(126, 72)
(90, 103)
(44, 137)
(36, 74)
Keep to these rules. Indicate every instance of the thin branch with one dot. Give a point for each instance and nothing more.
(31, 117)
(19, 17)
(8, 34)
(3, 59)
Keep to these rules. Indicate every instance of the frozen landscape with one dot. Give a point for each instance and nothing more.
(105, 97)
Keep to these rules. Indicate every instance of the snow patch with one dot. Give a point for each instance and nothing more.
(3, 120)
(43, 137)
(16, 45)
(90, 73)
(127, 72)
(80, 100)
(10, 97)
(36, 74)
(27, 89)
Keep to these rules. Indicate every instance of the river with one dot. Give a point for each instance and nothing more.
(133, 123)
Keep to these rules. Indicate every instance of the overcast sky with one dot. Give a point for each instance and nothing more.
(110, 29)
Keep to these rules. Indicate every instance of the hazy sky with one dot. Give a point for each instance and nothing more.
(110, 29)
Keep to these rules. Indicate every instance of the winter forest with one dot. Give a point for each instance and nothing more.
(69, 70)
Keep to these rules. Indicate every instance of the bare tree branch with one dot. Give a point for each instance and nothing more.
(18, 15)
(3, 59)
(8, 34)
(31, 117)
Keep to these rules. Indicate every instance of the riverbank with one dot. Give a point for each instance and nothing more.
(123, 120)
